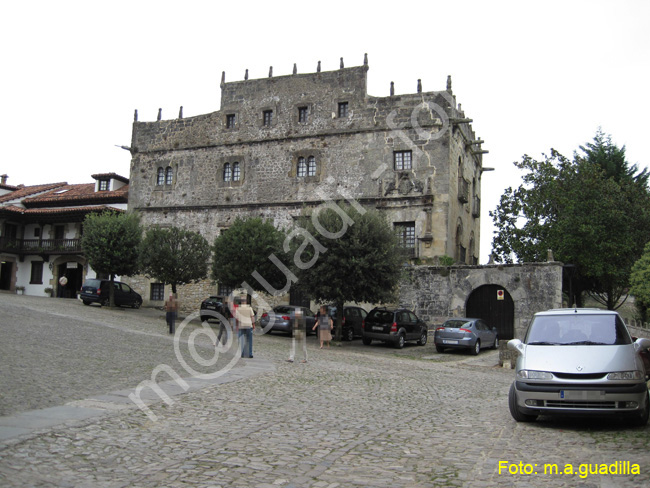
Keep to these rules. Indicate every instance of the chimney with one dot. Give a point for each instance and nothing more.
(3, 180)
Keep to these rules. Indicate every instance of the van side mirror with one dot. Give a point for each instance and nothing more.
(641, 344)
(516, 345)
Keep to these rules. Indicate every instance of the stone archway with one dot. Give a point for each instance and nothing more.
(494, 304)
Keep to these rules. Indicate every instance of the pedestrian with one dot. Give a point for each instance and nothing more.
(245, 324)
(225, 323)
(325, 325)
(171, 309)
(298, 335)
(62, 292)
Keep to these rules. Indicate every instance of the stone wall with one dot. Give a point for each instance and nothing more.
(437, 293)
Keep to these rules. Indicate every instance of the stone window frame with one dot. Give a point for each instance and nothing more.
(343, 109)
(165, 176)
(160, 176)
(311, 166)
(229, 162)
(298, 108)
(169, 175)
(405, 232)
(236, 171)
(301, 169)
(231, 121)
(267, 117)
(402, 152)
(304, 156)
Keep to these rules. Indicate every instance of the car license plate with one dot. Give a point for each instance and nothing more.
(445, 341)
(377, 327)
(581, 395)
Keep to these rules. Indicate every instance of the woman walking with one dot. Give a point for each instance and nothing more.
(325, 325)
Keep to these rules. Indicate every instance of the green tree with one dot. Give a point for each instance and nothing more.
(592, 212)
(347, 255)
(640, 283)
(251, 251)
(110, 242)
(174, 256)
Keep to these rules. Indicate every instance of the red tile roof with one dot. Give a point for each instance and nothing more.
(25, 191)
(84, 193)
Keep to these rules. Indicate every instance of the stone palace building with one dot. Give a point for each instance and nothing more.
(283, 144)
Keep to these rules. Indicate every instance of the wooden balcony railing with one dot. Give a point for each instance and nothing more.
(40, 246)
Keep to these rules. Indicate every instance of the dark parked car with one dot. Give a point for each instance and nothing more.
(352, 321)
(214, 304)
(395, 326)
(97, 291)
(464, 333)
(281, 319)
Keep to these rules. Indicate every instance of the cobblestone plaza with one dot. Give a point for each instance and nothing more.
(352, 416)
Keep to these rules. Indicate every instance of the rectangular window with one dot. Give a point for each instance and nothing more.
(37, 232)
(224, 290)
(343, 109)
(267, 117)
(302, 114)
(406, 234)
(157, 291)
(37, 273)
(230, 121)
(403, 160)
(103, 185)
(236, 172)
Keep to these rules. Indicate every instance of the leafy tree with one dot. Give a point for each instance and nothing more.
(251, 251)
(174, 256)
(347, 255)
(640, 283)
(110, 242)
(593, 212)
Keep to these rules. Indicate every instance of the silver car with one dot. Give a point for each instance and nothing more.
(281, 319)
(579, 362)
(464, 333)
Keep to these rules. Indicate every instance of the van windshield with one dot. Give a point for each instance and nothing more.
(574, 329)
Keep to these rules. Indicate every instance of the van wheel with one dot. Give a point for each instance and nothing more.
(86, 302)
(514, 409)
(105, 302)
(399, 344)
(642, 418)
(366, 341)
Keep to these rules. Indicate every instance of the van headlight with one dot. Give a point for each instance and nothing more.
(626, 375)
(527, 374)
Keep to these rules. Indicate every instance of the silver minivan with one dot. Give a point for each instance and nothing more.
(579, 362)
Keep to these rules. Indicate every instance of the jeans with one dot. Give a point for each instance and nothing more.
(246, 340)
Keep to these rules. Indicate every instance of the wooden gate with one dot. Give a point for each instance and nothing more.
(493, 304)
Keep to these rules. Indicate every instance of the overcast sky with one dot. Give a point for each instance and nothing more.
(532, 75)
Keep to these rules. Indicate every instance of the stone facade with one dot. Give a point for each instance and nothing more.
(437, 293)
(280, 145)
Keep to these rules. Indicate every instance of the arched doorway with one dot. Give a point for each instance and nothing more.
(73, 271)
(493, 304)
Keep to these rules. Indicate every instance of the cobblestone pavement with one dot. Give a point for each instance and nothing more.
(352, 416)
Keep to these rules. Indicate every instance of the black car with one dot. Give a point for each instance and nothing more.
(97, 291)
(352, 321)
(214, 304)
(394, 325)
